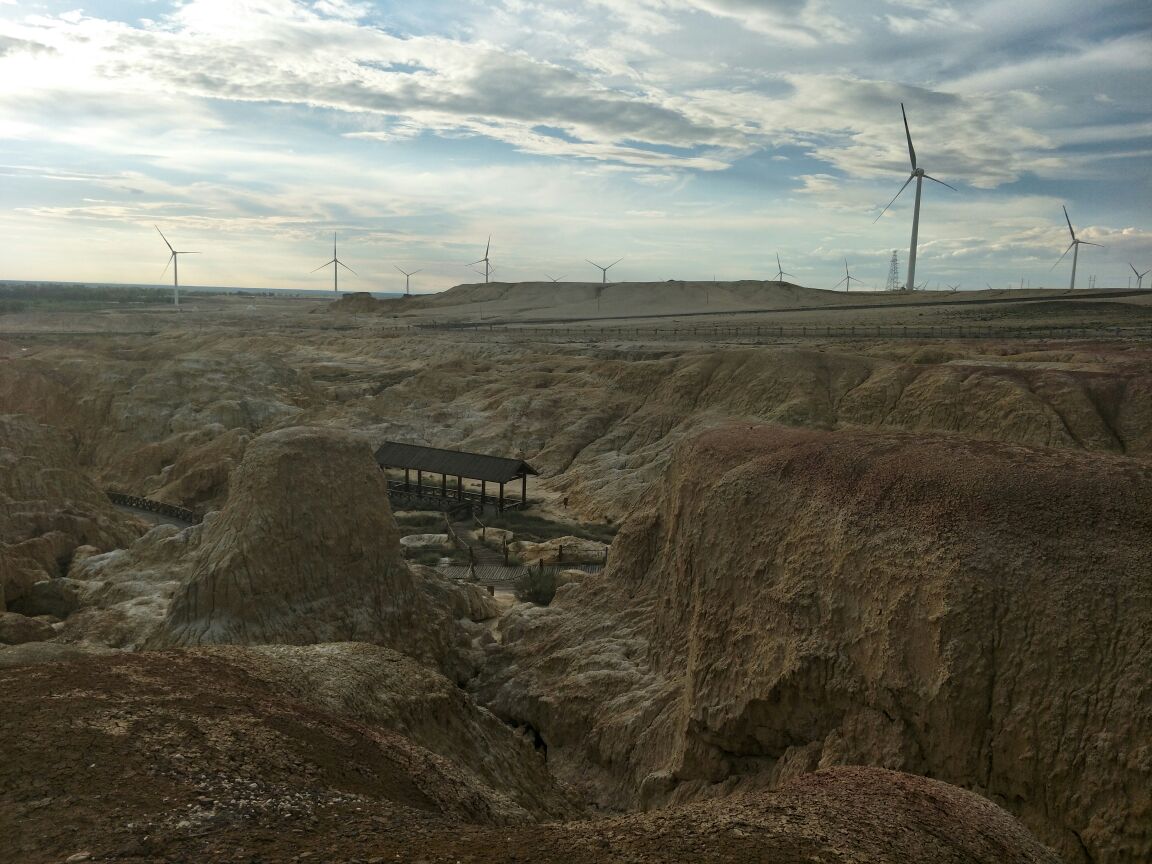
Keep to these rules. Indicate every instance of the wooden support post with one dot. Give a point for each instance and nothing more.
(407, 483)
(500, 506)
(443, 485)
(483, 493)
(524, 491)
(459, 488)
(419, 482)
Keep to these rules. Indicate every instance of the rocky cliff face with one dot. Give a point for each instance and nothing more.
(48, 507)
(971, 611)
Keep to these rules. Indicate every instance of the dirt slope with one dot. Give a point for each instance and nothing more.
(195, 756)
(967, 610)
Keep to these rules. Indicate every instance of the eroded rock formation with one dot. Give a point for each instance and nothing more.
(350, 752)
(48, 508)
(972, 611)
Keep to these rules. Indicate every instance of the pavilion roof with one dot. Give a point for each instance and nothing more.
(458, 463)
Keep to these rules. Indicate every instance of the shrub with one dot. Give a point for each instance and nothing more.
(536, 586)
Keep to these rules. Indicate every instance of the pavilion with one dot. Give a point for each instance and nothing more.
(459, 464)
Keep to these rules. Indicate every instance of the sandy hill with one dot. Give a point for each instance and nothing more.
(789, 599)
(242, 755)
(706, 301)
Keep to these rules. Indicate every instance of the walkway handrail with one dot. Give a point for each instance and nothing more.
(162, 507)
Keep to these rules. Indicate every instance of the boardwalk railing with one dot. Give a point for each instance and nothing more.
(755, 332)
(162, 507)
(449, 499)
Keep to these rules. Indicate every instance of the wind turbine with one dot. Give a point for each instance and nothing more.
(1075, 247)
(780, 274)
(918, 175)
(407, 276)
(554, 278)
(1139, 277)
(604, 270)
(174, 260)
(484, 260)
(954, 288)
(847, 280)
(336, 265)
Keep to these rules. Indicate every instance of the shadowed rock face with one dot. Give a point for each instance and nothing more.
(48, 507)
(306, 551)
(973, 611)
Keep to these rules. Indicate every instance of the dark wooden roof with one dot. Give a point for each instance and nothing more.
(456, 463)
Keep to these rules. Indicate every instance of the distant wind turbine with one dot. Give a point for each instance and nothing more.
(1139, 277)
(780, 274)
(918, 175)
(336, 265)
(604, 270)
(554, 278)
(484, 260)
(847, 280)
(1075, 247)
(174, 260)
(407, 276)
(955, 287)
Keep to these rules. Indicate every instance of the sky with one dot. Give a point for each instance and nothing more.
(694, 139)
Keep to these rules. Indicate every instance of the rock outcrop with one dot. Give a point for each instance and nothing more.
(350, 752)
(971, 611)
(306, 551)
(48, 507)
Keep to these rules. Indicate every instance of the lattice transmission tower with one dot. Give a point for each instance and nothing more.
(893, 283)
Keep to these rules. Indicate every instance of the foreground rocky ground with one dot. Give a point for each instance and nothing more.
(949, 579)
(193, 756)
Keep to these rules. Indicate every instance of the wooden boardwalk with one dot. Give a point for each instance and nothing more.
(489, 574)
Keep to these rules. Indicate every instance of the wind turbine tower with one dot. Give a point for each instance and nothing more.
(918, 174)
(847, 280)
(780, 274)
(336, 265)
(174, 260)
(1139, 277)
(1075, 247)
(407, 276)
(604, 270)
(484, 260)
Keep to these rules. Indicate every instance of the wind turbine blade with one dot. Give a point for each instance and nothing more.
(1069, 221)
(397, 268)
(473, 263)
(614, 263)
(1061, 258)
(169, 264)
(593, 263)
(414, 272)
(162, 237)
(1134, 270)
(838, 284)
(942, 183)
(893, 201)
(911, 151)
(325, 264)
(487, 247)
(1086, 243)
(346, 267)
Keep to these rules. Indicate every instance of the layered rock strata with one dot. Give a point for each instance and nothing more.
(971, 611)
